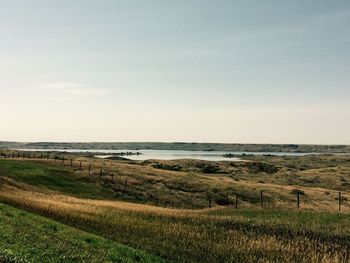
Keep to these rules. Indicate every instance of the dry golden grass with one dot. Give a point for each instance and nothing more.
(278, 233)
(181, 235)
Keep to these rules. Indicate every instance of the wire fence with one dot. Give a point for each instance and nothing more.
(262, 198)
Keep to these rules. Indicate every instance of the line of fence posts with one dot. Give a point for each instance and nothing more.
(28, 155)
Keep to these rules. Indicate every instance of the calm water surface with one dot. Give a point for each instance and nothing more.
(172, 154)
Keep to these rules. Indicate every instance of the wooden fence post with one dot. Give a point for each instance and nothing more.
(209, 200)
(89, 169)
(101, 171)
(236, 202)
(298, 200)
(71, 162)
(79, 165)
(340, 200)
(125, 183)
(63, 160)
(261, 199)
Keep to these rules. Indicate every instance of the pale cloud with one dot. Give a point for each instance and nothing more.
(74, 89)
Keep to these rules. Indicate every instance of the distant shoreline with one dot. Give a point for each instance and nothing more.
(234, 147)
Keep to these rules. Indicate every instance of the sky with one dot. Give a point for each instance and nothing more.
(193, 71)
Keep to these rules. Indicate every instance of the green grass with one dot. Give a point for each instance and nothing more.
(60, 179)
(227, 235)
(26, 237)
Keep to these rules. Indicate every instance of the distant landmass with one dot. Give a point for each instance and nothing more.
(233, 147)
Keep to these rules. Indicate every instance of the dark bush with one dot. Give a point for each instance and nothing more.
(257, 167)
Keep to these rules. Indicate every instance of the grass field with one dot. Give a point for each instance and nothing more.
(314, 233)
(26, 237)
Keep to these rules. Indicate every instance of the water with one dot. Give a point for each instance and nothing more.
(171, 154)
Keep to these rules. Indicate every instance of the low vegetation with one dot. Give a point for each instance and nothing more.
(26, 237)
(182, 228)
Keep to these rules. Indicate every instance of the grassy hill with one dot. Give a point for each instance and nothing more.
(278, 232)
(26, 237)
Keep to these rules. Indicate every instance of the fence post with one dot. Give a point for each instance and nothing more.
(101, 171)
(236, 202)
(71, 162)
(63, 160)
(209, 200)
(79, 165)
(261, 199)
(125, 183)
(89, 169)
(298, 200)
(340, 199)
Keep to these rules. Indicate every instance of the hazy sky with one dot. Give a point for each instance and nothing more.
(157, 70)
